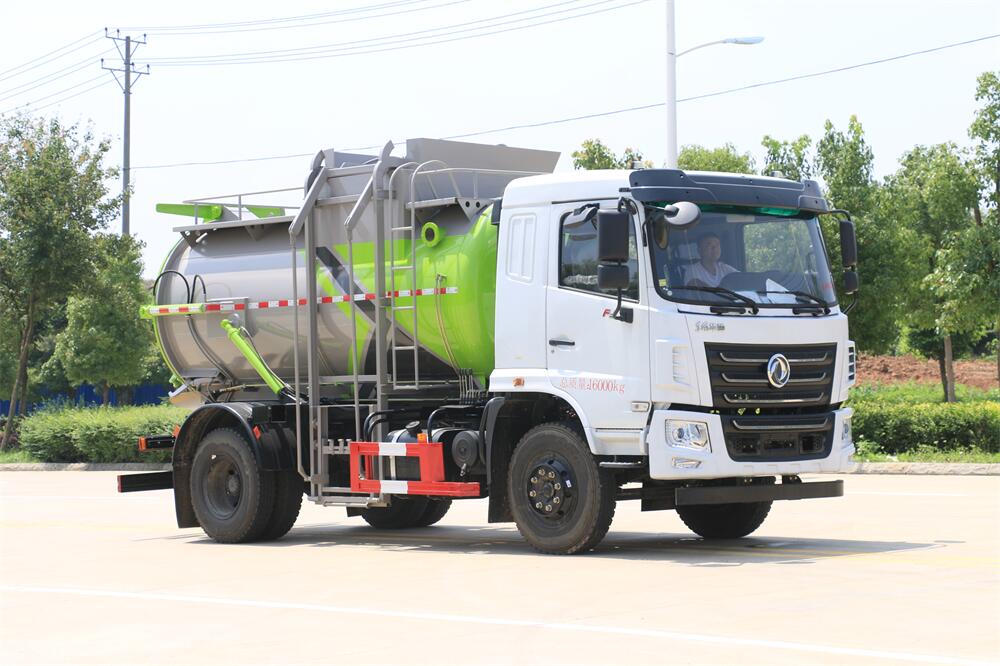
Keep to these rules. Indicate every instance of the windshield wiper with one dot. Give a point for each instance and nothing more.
(750, 303)
(800, 295)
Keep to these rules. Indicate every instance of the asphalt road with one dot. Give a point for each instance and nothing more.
(902, 570)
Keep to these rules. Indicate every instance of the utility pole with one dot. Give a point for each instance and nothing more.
(127, 70)
(671, 160)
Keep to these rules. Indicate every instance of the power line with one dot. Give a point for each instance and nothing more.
(264, 56)
(46, 80)
(11, 73)
(162, 29)
(313, 22)
(60, 101)
(51, 95)
(601, 114)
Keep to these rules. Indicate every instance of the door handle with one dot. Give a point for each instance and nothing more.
(562, 343)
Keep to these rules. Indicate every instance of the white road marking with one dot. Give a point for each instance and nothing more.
(117, 498)
(498, 621)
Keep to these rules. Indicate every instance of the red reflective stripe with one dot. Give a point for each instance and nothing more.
(241, 306)
(213, 307)
(282, 304)
(369, 297)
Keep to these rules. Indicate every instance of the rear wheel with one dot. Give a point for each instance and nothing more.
(232, 497)
(724, 521)
(288, 492)
(402, 512)
(435, 511)
(562, 501)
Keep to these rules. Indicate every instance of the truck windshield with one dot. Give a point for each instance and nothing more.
(776, 259)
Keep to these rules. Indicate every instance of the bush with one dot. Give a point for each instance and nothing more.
(97, 434)
(896, 427)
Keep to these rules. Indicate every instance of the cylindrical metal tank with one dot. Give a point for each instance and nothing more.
(231, 265)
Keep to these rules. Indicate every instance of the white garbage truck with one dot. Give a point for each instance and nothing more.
(460, 322)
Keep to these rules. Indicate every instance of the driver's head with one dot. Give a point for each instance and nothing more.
(709, 248)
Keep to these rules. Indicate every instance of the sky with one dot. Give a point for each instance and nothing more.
(496, 65)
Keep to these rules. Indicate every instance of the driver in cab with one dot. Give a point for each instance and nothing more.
(709, 270)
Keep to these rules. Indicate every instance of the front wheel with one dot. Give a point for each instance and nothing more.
(724, 521)
(562, 501)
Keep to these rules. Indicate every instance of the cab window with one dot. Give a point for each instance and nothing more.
(578, 259)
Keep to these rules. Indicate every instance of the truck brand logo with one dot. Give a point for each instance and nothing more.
(778, 371)
(709, 326)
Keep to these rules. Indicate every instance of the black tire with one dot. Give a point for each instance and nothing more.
(435, 511)
(576, 496)
(289, 489)
(233, 498)
(724, 521)
(402, 513)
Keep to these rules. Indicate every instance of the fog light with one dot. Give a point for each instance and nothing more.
(688, 435)
(686, 463)
(846, 436)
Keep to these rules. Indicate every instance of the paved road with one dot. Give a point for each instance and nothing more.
(903, 570)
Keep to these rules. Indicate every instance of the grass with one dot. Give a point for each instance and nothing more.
(17, 456)
(915, 392)
(925, 454)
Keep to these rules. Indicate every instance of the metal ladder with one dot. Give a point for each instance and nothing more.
(410, 232)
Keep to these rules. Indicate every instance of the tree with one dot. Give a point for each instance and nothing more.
(725, 158)
(790, 158)
(934, 193)
(52, 198)
(593, 154)
(986, 128)
(104, 342)
(886, 258)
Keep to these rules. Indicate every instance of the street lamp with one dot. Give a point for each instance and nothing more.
(672, 57)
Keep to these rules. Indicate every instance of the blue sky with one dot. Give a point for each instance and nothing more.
(612, 58)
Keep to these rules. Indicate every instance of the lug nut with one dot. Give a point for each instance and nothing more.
(534, 479)
(531, 493)
(552, 475)
(548, 507)
(556, 500)
(541, 471)
(538, 505)
(557, 485)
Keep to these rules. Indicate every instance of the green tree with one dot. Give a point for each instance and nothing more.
(790, 158)
(52, 198)
(593, 154)
(104, 342)
(966, 276)
(934, 193)
(726, 158)
(885, 256)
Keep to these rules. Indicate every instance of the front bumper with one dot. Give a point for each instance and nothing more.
(714, 461)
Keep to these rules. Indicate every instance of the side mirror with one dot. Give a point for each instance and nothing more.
(612, 235)
(851, 282)
(848, 244)
(612, 277)
(680, 216)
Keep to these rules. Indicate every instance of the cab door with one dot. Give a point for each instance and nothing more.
(602, 362)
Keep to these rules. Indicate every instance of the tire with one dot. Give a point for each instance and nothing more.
(402, 513)
(287, 504)
(724, 521)
(562, 517)
(435, 511)
(232, 497)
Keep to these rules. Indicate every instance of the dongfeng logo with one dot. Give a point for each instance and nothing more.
(778, 371)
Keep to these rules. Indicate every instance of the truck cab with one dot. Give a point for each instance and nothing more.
(731, 373)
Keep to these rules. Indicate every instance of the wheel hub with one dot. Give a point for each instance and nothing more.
(550, 488)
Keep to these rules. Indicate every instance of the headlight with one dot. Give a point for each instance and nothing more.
(847, 436)
(688, 434)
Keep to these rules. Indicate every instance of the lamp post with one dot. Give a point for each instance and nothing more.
(672, 57)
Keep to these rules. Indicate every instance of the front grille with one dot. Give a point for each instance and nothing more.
(768, 438)
(738, 375)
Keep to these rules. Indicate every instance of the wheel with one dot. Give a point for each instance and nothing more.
(724, 521)
(402, 513)
(287, 504)
(233, 498)
(562, 501)
(435, 511)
